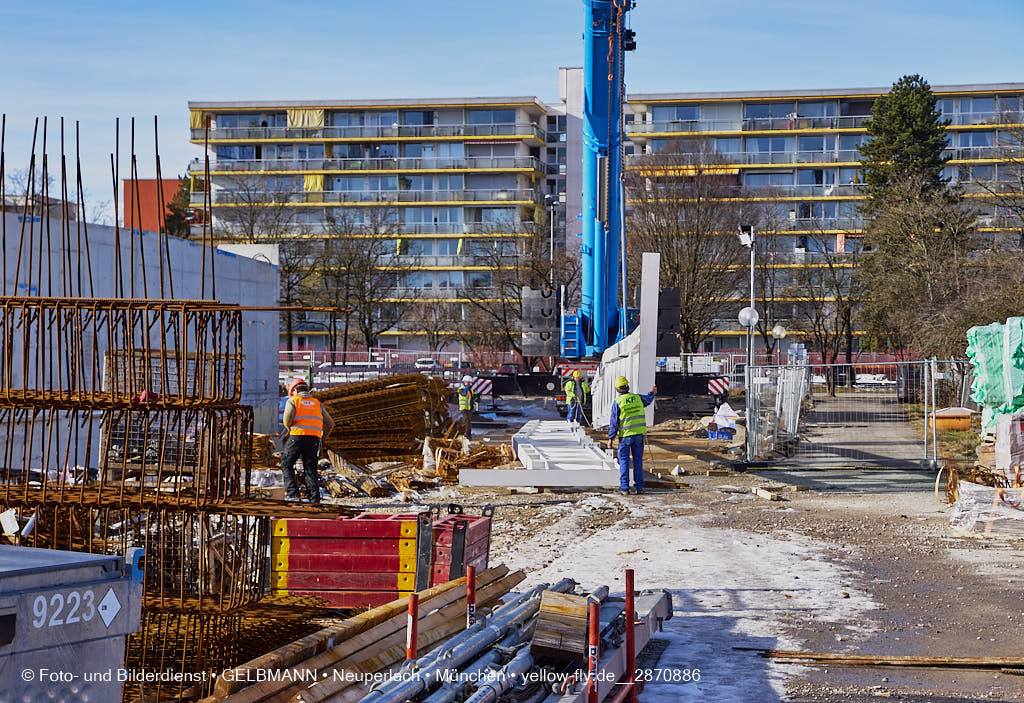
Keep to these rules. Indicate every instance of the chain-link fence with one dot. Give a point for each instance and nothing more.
(865, 414)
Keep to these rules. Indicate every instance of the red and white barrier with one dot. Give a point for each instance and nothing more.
(718, 386)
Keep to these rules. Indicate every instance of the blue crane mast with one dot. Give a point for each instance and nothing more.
(601, 318)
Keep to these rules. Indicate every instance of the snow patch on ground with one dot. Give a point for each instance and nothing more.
(729, 589)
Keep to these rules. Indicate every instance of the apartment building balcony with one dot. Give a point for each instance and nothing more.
(1009, 117)
(748, 158)
(745, 125)
(227, 197)
(528, 131)
(451, 292)
(478, 163)
(832, 190)
(455, 262)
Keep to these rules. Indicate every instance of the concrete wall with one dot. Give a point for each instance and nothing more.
(240, 280)
(570, 88)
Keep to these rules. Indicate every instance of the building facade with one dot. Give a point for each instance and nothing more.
(458, 179)
(797, 151)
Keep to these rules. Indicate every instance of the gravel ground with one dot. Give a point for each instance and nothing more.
(933, 593)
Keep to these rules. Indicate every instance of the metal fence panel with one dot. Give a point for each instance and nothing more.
(864, 414)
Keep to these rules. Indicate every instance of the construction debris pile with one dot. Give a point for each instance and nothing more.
(470, 639)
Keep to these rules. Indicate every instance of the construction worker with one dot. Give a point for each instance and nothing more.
(466, 401)
(629, 425)
(307, 423)
(577, 391)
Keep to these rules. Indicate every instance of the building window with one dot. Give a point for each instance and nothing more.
(773, 178)
(765, 145)
(818, 109)
(676, 113)
(728, 145)
(852, 142)
(816, 143)
(817, 210)
(816, 176)
(418, 117)
(492, 116)
(975, 140)
(763, 111)
(850, 175)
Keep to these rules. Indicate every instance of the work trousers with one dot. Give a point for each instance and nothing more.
(575, 411)
(306, 447)
(467, 423)
(633, 444)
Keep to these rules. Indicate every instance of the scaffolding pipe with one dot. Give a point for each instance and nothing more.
(502, 623)
(504, 680)
(453, 691)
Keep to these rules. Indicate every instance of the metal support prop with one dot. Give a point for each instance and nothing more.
(470, 596)
(630, 672)
(593, 651)
(411, 627)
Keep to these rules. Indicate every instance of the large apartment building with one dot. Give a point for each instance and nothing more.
(798, 150)
(463, 177)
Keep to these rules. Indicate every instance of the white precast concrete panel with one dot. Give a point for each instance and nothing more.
(240, 280)
(633, 357)
(553, 453)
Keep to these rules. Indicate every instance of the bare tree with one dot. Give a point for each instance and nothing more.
(827, 297)
(357, 272)
(296, 271)
(255, 209)
(770, 277)
(919, 261)
(436, 317)
(493, 296)
(685, 206)
(1007, 190)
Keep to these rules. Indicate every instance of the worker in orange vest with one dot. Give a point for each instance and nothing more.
(307, 422)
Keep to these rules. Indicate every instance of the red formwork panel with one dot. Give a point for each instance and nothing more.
(365, 526)
(375, 563)
(342, 581)
(477, 527)
(443, 555)
(344, 599)
(343, 545)
(441, 572)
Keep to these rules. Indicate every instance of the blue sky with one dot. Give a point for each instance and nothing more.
(92, 61)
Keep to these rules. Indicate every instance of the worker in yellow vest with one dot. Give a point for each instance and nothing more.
(629, 425)
(577, 392)
(307, 422)
(467, 398)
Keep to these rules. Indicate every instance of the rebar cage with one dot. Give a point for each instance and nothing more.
(104, 352)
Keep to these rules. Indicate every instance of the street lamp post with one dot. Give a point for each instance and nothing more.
(748, 318)
(778, 334)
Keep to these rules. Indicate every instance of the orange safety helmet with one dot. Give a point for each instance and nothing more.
(297, 382)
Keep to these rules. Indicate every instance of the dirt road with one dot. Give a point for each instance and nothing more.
(876, 572)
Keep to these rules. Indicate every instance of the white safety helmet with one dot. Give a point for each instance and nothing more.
(467, 379)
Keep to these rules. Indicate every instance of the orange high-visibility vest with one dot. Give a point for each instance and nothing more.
(309, 419)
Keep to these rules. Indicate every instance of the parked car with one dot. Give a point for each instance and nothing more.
(508, 369)
(427, 364)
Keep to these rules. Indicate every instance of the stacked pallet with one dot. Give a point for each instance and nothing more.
(460, 541)
(358, 562)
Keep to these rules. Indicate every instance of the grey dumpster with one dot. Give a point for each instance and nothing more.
(64, 617)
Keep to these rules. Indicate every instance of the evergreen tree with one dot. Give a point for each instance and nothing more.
(907, 139)
(179, 215)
